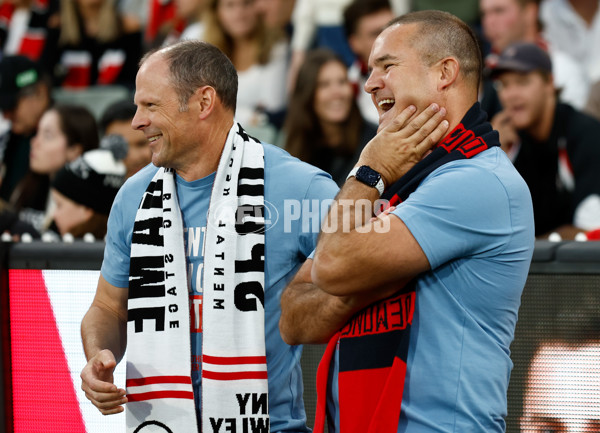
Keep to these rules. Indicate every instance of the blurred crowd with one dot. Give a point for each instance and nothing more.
(67, 76)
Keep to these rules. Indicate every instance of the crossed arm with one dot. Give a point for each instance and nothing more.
(358, 262)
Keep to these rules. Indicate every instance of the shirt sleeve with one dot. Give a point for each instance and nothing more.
(451, 216)
(319, 196)
(115, 266)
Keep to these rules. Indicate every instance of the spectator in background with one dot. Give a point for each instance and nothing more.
(508, 21)
(573, 26)
(92, 45)
(190, 12)
(83, 190)
(259, 56)
(23, 26)
(115, 123)
(25, 93)
(324, 126)
(318, 24)
(553, 146)
(277, 14)
(64, 133)
(161, 20)
(363, 21)
(562, 389)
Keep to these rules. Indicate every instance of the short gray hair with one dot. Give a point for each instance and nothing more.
(441, 35)
(194, 64)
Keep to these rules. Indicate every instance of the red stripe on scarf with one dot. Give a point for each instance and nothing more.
(153, 395)
(238, 375)
(234, 360)
(157, 379)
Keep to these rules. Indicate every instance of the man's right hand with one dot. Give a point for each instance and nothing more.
(509, 137)
(98, 383)
(404, 142)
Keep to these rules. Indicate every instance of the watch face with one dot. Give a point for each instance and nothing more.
(367, 175)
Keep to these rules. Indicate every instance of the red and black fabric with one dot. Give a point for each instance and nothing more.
(373, 345)
(34, 37)
(92, 62)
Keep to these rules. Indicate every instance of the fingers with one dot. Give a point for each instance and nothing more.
(401, 119)
(97, 384)
(428, 127)
(107, 402)
(383, 213)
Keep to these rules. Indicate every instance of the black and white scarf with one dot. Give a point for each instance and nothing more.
(234, 369)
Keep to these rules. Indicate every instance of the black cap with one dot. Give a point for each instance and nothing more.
(16, 73)
(522, 57)
(94, 178)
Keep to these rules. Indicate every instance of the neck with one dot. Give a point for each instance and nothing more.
(244, 53)
(457, 104)
(206, 160)
(90, 16)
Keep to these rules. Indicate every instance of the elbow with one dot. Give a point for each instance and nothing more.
(287, 333)
(329, 275)
(287, 330)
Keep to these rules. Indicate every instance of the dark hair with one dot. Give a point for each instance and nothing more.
(122, 110)
(194, 64)
(303, 129)
(359, 9)
(96, 225)
(79, 126)
(441, 35)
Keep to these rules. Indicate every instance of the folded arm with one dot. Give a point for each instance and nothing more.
(311, 316)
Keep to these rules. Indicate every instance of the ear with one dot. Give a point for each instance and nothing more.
(205, 99)
(74, 152)
(448, 72)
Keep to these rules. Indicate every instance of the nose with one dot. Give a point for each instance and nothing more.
(35, 141)
(373, 83)
(140, 120)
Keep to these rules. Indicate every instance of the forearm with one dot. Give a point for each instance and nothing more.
(341, 250)
(102, 329)
(356, 255)
(311, 316)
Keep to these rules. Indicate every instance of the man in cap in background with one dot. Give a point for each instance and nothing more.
(115, 125)
(25, 93)
(553, 146)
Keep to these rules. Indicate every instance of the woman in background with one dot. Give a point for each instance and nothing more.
(259, 55)
(324, 126)
(64, 133)
(83, 190)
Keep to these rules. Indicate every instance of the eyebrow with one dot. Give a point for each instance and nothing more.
(384, 58)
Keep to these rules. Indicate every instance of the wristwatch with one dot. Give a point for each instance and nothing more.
(368, 176)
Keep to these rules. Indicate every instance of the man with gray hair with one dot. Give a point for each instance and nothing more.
(200, 245)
